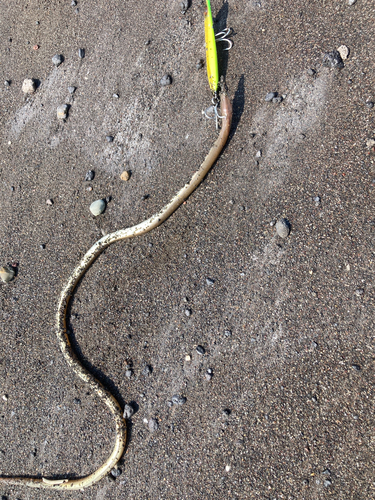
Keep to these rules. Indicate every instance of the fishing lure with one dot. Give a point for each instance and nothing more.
(212, 62)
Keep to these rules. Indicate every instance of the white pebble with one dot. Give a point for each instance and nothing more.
(28, 86)
(62, 111)
(227, 468)
(343, 51)
(97, 207)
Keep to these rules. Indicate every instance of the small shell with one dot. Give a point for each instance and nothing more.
(125, 176)
(283, 228)
(6, 273)
(97, 207)
(28, 86)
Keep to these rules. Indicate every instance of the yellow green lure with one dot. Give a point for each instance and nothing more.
(211, 52)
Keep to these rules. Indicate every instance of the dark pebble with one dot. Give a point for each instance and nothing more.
(42, 247)
(209, 281)
(145, 197)
(109, 138)
(333, 59)
(370, 104)
(116, 472)
(200, 350)
(90, 175)
(81, 53)
(178, 400)
(166, 80)
(77, 401)
(356, 367)
(71, 90)
(147, 370)
(226, 412)
(270, 96)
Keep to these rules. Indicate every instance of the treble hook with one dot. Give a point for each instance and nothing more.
(222, 37)
(212, 113)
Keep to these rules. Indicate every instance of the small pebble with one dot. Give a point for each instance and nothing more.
(42, 247)
(57, 59)
(90, 175)
(128, 373)
(184, 6)
(270, 96)
(258, 154)
(283, 228)
(209, 371)
(370, 104)
(62, 111)
(226, 412)
(116, 472)
(200, 350)
(108, 199)
(278, 99)
(77, 401)
(370, 143)
(359, 292)
(81, 53)
(209, 281)
(356, 367)
(187, 357)
(153, 425)
(166, 80)
(208, 376)
(311, 72)
(227, 468)
(316, 199)
(115, 96)
(351, 2)
(333, 59)
(343, 51)
(97, 207)
(89, 188)
(28, 86)
(49, 202)
(147, 370)
(35, 47)
(5, 397)
(109, 138)
(74, 3)
(6, 274)
(7, 83)
(71, 90)
(128, 411)
(188, 312)
(125, 176)
(327, 483)
(145, 197)
(272, 223)
(178, 400)
(227, 333)
(200, 64)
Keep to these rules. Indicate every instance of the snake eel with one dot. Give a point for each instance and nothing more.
(63, 334)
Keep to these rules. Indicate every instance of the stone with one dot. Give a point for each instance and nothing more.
(125, 176)
(28, 86)
(283, 228)
(62, 111)
(97, 207)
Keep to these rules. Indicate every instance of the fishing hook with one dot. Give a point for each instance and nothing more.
(222, 36)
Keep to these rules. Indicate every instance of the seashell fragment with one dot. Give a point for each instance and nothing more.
(6, 274)
(97, 207)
